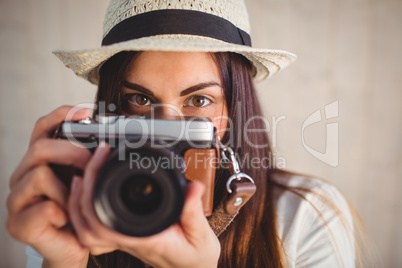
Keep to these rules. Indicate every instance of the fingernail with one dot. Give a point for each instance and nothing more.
(81, 111)
(101, 150)
(85, 110)
(101, 147)
(102, 144)
(75, 184)
(201, 187)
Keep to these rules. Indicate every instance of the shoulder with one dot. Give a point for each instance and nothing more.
(314, 222)
(300, 190)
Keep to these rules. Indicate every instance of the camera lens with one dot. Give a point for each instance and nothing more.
(141, 194)
(139, 200)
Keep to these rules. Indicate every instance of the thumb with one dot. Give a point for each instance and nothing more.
(192, 219)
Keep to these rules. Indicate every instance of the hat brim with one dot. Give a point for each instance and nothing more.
(86, 63)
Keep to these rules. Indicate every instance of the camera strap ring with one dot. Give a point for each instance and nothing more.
(238, 176)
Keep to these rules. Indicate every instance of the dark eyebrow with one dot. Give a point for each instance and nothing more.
(138, 88)
(183, 93)
(199, 87)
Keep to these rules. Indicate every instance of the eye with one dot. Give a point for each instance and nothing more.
(198, 101)
(139, 99)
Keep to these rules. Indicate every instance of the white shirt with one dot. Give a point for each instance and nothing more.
(307, 240)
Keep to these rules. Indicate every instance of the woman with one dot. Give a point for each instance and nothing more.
(193, 58)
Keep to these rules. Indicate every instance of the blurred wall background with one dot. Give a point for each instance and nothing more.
(348, 61)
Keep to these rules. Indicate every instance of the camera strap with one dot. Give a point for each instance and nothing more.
(240, 188)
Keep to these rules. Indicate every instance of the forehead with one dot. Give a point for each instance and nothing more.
(173, 68)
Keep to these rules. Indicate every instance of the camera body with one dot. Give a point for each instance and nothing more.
(141, 188)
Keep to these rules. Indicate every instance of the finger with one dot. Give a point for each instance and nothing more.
(192, 219)
(45, 151)
(34, 185)
(94, 164)
(49, 123)
(95, 251)
(74, 210)
(37, 222)
(86, 235)
(90, 175)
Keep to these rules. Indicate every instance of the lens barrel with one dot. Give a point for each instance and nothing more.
(141, 195)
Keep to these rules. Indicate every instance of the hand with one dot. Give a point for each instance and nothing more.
(37, 202)
(189, 243)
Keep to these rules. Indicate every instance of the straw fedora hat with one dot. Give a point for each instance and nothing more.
(175, 25)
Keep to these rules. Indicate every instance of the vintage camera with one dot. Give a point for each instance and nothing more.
(141, 188)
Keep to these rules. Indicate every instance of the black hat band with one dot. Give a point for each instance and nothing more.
(176, 21)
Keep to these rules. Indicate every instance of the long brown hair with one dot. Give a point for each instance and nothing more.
(252, 239)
